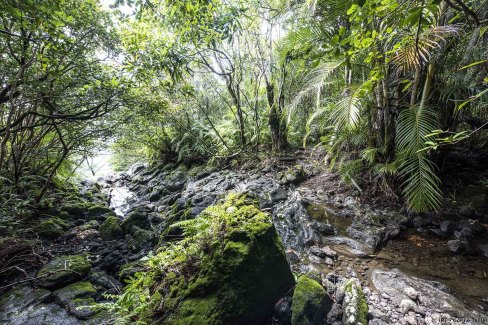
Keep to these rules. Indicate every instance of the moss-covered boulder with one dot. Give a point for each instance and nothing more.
(74, 210)
(110, 229)
(51, 228)
(293, 175)
(310, 302)
(83, 209)
(92, 224)
(63, 270)
(141, 238)
(76, 298)
(137, 218)
(202, 171)
(79, 289)
(230, 268)
(98, 211)
(354, 305)
(176, 179)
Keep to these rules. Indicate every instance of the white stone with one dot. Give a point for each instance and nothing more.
(411, 293)
(406, 305)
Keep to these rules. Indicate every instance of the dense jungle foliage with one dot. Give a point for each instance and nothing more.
(388, 87)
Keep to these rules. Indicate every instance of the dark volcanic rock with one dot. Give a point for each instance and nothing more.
(63, 270)
(457, 246)
(324, 228)
(282, 311)
(76, 298)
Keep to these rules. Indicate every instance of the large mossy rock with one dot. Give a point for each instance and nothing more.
(51, 228)
(98, 211)
(138, 218)
(110, 229)
(83, 209)
(294, 175)
(310, 302)
(230, 268)
(63, 270)
(141, 238)
(76, 298)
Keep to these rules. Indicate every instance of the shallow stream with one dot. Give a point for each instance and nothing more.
(428, 257)
(420, 255)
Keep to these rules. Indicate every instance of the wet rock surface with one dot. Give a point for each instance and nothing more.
(423, 298)
(351, 247)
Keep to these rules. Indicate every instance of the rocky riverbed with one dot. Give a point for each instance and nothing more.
(354, 262)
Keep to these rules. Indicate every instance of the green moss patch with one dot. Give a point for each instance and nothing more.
(78, 299)
(111, 229)
(75, 290)
(310, 302)
(354, 305)
(63, 270)
(51, 228)
(229, 268)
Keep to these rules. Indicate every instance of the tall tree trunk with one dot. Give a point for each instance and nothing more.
(235, 94)
(277, 126)
(257, 131)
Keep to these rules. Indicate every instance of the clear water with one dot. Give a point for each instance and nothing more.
(120, 199)
(99, 169)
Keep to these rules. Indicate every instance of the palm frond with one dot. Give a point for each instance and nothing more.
(305, 37)
(414, 124)
(346, 114)
(315, 80)
(308, 127)
(331, 9)
(421, 184)
(415, 52)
